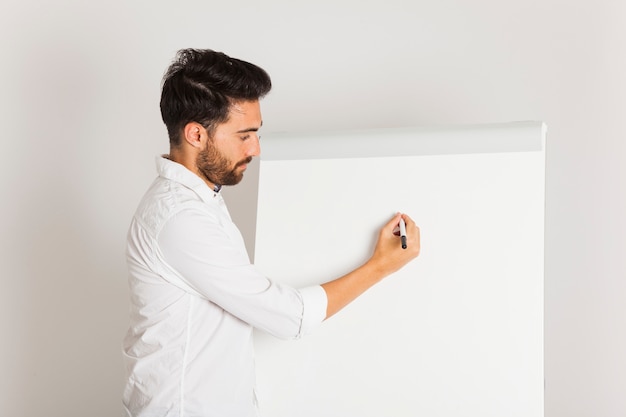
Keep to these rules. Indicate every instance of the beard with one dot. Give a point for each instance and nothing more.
(216, 168)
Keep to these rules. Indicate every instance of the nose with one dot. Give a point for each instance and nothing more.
(254, 148)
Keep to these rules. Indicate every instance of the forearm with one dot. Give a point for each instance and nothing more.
(342, 291)
(388, 257)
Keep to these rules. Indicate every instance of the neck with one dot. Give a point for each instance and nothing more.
(189, 162)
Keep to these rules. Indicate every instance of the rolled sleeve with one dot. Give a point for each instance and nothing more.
(315, 303)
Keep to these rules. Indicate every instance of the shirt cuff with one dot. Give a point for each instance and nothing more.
(315, 303)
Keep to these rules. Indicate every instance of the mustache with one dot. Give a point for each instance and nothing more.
(244, 162)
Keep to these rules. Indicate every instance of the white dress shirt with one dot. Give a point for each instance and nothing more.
(195, 298)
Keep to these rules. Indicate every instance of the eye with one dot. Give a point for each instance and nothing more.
(245, 137)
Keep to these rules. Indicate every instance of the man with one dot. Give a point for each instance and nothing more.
(195, 297)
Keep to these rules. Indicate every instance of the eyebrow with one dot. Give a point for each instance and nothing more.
(250, 129)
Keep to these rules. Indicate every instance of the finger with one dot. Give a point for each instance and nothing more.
(393, 223)
(410, 224)
(408, 220)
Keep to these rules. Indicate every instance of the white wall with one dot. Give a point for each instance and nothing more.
(79, 86)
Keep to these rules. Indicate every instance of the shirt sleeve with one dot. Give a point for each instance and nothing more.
(214, 265)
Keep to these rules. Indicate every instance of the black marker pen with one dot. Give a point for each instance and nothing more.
(403, 233)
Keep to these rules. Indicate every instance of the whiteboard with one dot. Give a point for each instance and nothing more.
(457, 332)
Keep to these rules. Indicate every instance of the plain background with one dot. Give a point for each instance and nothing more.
(79, 85)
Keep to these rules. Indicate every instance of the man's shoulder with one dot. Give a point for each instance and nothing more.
(163, 200)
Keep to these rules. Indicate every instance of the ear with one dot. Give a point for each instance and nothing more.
(195, 134)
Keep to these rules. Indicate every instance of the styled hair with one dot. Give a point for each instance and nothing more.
(201, 85)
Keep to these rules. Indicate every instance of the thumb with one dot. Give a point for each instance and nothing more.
(392, 224)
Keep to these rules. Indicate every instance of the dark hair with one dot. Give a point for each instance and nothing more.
(201, 85)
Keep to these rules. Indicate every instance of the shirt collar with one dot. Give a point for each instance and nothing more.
(176, 172)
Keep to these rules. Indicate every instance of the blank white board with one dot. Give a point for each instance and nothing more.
(457, 332)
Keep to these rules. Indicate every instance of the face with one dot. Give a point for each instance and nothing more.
(232, 146)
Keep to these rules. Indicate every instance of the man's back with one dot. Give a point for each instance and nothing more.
(181, 349)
